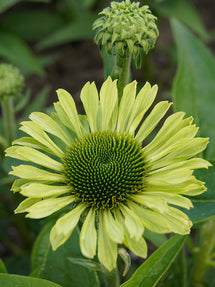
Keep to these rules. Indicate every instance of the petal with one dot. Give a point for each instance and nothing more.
(107, 249)
(30, 154)
(88, 235)
(170, 126)
(90, 100)
(37, 133)
(151, 220)
(171, 177)
(154, 203)
(40, 190)
(69, 107)
(64, 119)
(171, 198)
(50, 126)
(113, 227)
(65, 226)
(178, 221)
(188, 148)
(47, 207)
(25, 204)
(137, 246)
(34, 173)
(126, 105)
(142, 103)
(193, 163)
(30, 142)
(132, 222)
(108, 100)
(152, 120)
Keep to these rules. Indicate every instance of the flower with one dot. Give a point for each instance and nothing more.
(125, 27)
(104, 169)
(11, 80)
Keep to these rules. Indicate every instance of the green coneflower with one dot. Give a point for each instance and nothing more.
(102, 166)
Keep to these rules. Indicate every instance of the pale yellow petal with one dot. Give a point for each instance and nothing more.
(88, 235)
(90, 100)
(113, 227)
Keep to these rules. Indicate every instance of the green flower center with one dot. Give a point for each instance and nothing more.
(104, 168)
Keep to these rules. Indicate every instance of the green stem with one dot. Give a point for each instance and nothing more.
(121, 72)
(202, 259)
(111, 278)
(8, 119)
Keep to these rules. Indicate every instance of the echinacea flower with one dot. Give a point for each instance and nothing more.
(104, 167)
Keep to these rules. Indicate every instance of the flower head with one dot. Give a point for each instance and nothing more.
(125, 27)
(103, 166)
(11, 80)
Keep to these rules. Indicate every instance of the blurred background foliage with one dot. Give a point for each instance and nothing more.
(51, 42)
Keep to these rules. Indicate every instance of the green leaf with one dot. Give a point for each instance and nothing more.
(6, 4)
(193, 87)
(15, 22)
(8, 280)
(176, 275)
(149, 273)
(56, 266)
(79, 29)
(14, 50)
(2, 267)
(203, 204)
(184, 11)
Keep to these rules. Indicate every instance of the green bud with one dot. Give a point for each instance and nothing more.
(11, 80)
(129, 29)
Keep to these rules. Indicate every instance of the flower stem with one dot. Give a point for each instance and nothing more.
(111, 278)
(9, 123)
(202, 259)
(121, 71)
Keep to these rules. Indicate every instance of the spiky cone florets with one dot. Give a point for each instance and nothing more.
(126, 28)
(11, 80)
(104, 166)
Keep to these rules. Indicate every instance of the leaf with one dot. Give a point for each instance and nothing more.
(193, 87)
(15, 22)
(184, 11)
(176, 275)
(2, 267)
(56, 266)
(14, 50)
(6, 4)
(149, 273)
(203, 204)
(8, 280)
(77, 30)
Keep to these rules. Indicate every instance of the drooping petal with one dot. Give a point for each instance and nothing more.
(68, 104)
(34, 173)
(132, 222)
(25, 204)
(90, 100)
(151, 202)
(41, 190)
(178, 221)
(137, 246)
(32, 155)
(151, 220)
(65, 226)
(107, 249)
(108, 100)
(88, 235)
(113, 227)
(50, 126)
